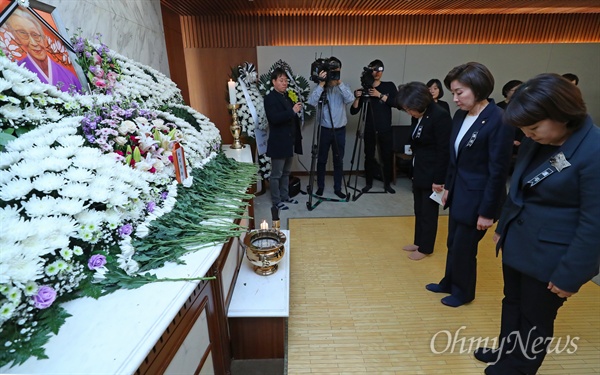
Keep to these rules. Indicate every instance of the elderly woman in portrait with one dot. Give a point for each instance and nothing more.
(28, 32)
(430, 128)
(548, 230)
(475, 186)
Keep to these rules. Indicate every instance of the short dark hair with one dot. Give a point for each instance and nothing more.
(413, 95)
(475, 75)
(278, 72)
(376, 63)
(571, 77)
(546, 96)
(509, 86)
(335, 59)
(437, 82)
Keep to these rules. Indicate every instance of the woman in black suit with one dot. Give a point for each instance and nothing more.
(548, 231)
(435, 88)
(430, 129)
(284, 137)
(480, 148)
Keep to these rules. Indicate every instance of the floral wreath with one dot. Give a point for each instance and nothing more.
(251, 113)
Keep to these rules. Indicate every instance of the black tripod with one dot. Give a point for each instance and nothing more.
(323, 101)
(358, 144)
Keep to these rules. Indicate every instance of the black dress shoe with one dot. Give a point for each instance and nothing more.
(319, 191)
(340, 194)
(453, 301)
(487, 355)
(367, 188)
(436, 288)
(389, 189)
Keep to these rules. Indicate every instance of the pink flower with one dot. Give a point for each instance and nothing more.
(98, 82)
(99, 72)
(112, 77)
(97, 58)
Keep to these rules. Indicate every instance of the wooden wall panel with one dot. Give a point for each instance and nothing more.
(243, 31)
(174, 42)
(208, 71)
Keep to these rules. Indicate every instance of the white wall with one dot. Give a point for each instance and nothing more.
(132, 28)
(405, 63)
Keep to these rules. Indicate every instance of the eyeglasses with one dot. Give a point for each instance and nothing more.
(377, 69)
(24, 36)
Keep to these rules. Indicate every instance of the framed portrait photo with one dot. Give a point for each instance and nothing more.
(33, 37)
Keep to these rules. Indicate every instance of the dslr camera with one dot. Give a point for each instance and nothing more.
(327, 65)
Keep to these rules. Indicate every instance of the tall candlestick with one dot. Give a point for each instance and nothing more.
(231, 86)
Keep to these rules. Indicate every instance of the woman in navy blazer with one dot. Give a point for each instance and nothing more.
(480, 149)
(548, 230)
(285, 137)
(430, 129)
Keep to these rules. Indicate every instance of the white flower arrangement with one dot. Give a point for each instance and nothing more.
(251, 113)
(72, 205)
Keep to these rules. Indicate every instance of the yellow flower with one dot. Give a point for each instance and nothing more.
(292, 94)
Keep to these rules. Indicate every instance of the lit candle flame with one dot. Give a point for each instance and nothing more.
(264, 225)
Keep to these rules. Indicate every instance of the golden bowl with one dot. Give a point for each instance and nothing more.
(264, 249)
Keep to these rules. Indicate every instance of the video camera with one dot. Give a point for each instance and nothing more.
(327, 65)
(367, 80)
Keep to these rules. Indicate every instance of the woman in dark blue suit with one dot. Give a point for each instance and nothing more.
(430, 129)
(480, 149)
(548, 231)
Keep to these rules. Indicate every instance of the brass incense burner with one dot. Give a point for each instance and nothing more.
(265, 247)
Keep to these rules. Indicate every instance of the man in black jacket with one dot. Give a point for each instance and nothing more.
(284, 137)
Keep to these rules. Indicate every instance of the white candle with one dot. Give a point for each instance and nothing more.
(264, 225)
(231, 86)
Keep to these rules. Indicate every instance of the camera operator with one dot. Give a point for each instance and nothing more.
(332, 135)
(378, 124)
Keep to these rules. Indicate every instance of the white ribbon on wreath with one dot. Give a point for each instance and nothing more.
(261, 135)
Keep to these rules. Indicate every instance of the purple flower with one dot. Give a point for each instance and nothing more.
(164, 195)
(44, 298)
(150, 206)
(96, 261)
(125, 230)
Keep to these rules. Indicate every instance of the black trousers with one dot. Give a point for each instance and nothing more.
(426, 219)
(461, 263)
(385, 148)
(527, 327)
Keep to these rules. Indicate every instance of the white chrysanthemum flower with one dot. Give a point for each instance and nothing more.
(51, 269)
(66, 253)
(33, 114)
(14, 295)
(4, 84)
(77, 250)
(48, 182)
(15, 77)
(71, 141)
(11, 112)
(17, 188)
(9, 158)
(87, 217)
(53, 115)
(6, 176)
(39, 207)
(57, 241)
(21, 268)
(55, 164)
(7, 310)
(75, 190)
(78, 174)
(27, 168)
(39, 153)
(64, 152)
(31, 288)
(70, 207)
